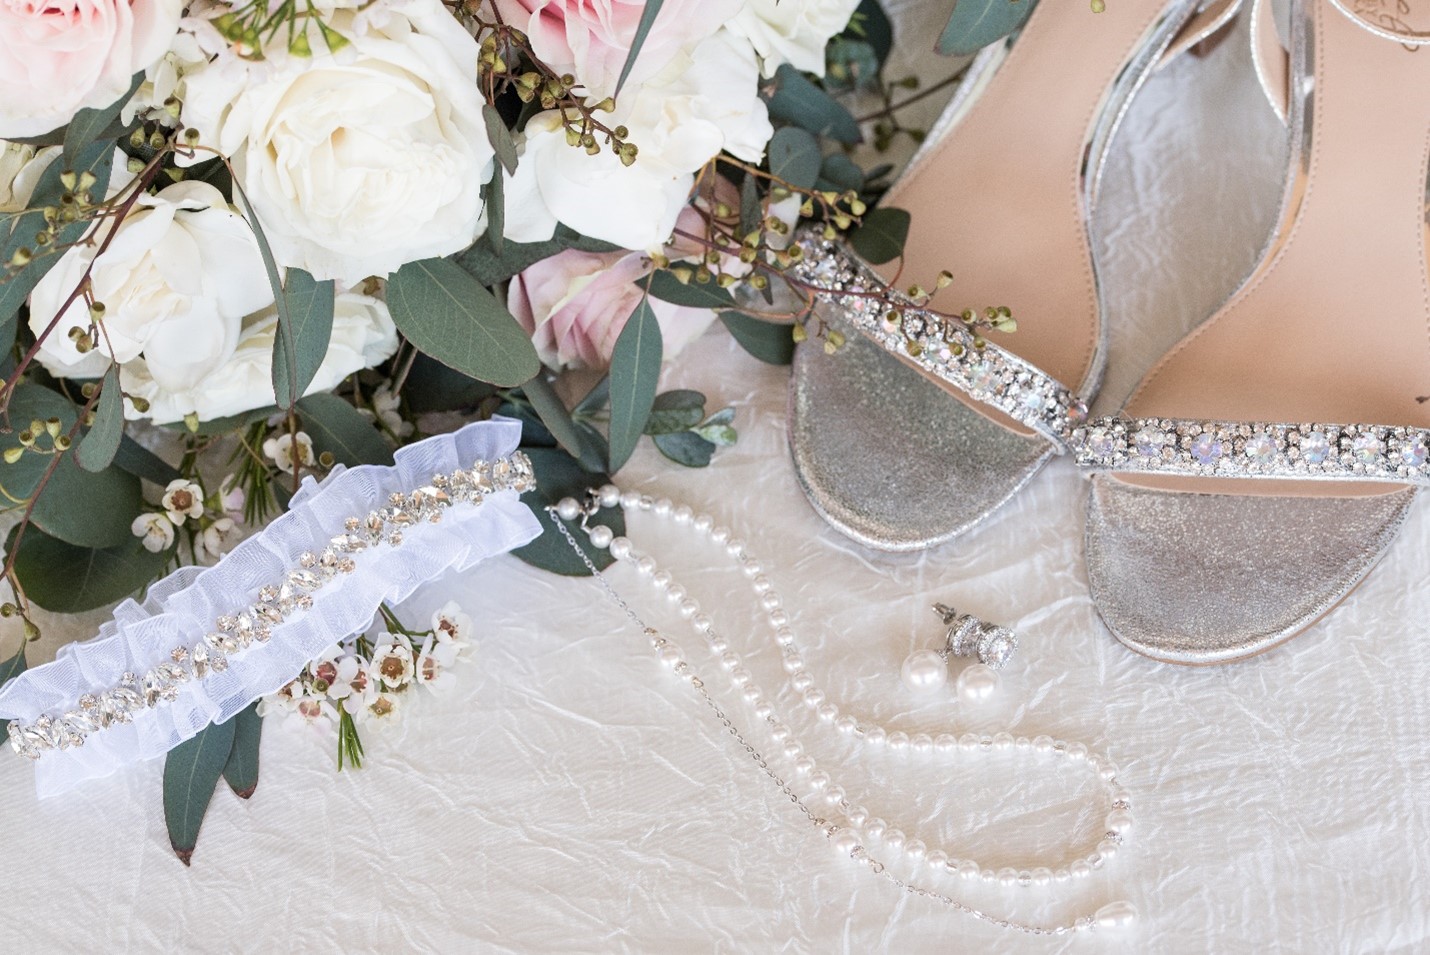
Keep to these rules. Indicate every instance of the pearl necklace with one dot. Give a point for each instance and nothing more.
(851, 826)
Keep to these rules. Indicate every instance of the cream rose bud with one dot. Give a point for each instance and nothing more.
(591, 39)
(678, 120)
(176, 281)
(792, 31)
(363, 336)
(21, 167)
(61, 56)
(358, 161)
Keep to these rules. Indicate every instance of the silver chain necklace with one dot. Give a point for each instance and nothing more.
(847, 827)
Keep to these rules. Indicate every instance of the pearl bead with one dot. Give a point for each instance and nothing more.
(875, 735)
(729, 660)
(764, 709)
(1061, 875)
(844, 841)
(875, 828)
(937, 859)
(857, 815)
(945, 742)
(977, 683)
(682, 514)
(1003, 741)
(834, 795)
(718, 644)
(670, 656)
(675, 593)
(752, 568)
(801, 680)
(826, 712)
(720, 534)
(1119, 821)
(770, 601)
(803, 766)
(1080, 870)
(1007, 877)
(1043, 744)
(568, 508)
(921, 743)
(1042, 875)
(924, 671)
(760, 584)
(1107, 848)
(793, 749)
(969, 870)
(601, 536)
(703, 523)
(740, 676)
(819, 779)
(620, 548)
(778, 618)
(894, 838)
(784, 636)
(1076, 751)
(846, 725)
(813, 698)
(1115, 915)
(915, 848)
(968, 742)
(663, 506)
(898, 740)
(702, 622)
(646, 566)
(661, 578)
(609, 495)
(688, 608)
(734, 547)
(630, 499)
(793, 663)
(780, 732)
(1022, 742)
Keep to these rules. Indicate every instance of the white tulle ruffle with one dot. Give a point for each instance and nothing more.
(183, 606)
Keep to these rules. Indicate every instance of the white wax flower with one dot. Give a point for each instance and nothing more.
(792, 31)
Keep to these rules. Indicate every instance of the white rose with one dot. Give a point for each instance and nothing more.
(679, 120)
(361, 160)
(792, 31)
(21, 167)
(59, 57)
(363, 336)
(176, 281)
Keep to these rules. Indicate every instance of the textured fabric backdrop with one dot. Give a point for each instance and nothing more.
(569, 796)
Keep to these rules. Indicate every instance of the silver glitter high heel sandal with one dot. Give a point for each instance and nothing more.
(1190, 560)
(1000, 193)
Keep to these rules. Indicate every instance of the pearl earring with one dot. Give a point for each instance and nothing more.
(927, 670)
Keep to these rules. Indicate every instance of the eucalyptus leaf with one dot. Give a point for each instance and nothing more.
(191, 772)
(447, 314)
(597, 398)
(500, 138)
(880, 237)
(534, 433)
(647, 20)
(494, 195)
(666, 287)
(799, 102)
(553, 414)
(68, 579)
(97, 159)
(794, 157)
(685, 447)
(721, 435)
(432, 386)
(99, 445)
(751, 208)
(89, 125)
(977, 23)
(635, 372)
(340, 429)
(558, 475)
(875, 28)
(9, 669)
(723, 416)
(86, 508)
(839, 173)
(8, 327)
(675, 411)
(139, 461)
(30, 402)
(270, 268)
(489, 266)
(241, 770)
(770, 342)
(305, 327)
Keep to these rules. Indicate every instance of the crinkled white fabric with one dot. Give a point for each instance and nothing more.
(568, 795)
(182, 607)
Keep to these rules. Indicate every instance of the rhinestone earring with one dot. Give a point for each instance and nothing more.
(964, 636)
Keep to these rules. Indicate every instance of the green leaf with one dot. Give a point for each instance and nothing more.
(228, 424)
(191, 772)
(881, 236)
(666, 287)
(799, 102)
(98, 159)
(432, 386)
(977, 23)
(770, 342)
(635, 371)
(89, 125)
(446, 313)
(558, 475)
(500, 137)
(839, 173)
(139, 461)
(305, 326)
(794, 157)
(495, 199)
(721, 435)
(554, 415)
(489, 265)
(685, 447)
(270, 265)
(30, 402)
(874, 26)
(8, 327)
(68, 579)
(596, 398)
(675, 411)
(9, 669)
(99, 445)
(340, 429)
(87, 508)
(648, 15)
(241, 770)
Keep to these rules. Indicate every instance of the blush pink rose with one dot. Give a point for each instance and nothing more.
(575, 304)
(60, 56)
(590, 38)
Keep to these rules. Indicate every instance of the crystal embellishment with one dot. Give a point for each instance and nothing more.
(251, 626)
(1359, 452)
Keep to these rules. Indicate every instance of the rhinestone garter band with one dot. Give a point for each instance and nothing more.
(208, 641)
(940, 346)
(1327, 452)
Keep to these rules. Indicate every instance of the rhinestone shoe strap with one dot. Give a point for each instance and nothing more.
(250, 626)
(1322, 452)
(941, 347)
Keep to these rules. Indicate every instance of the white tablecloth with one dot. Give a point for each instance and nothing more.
(569, 795)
